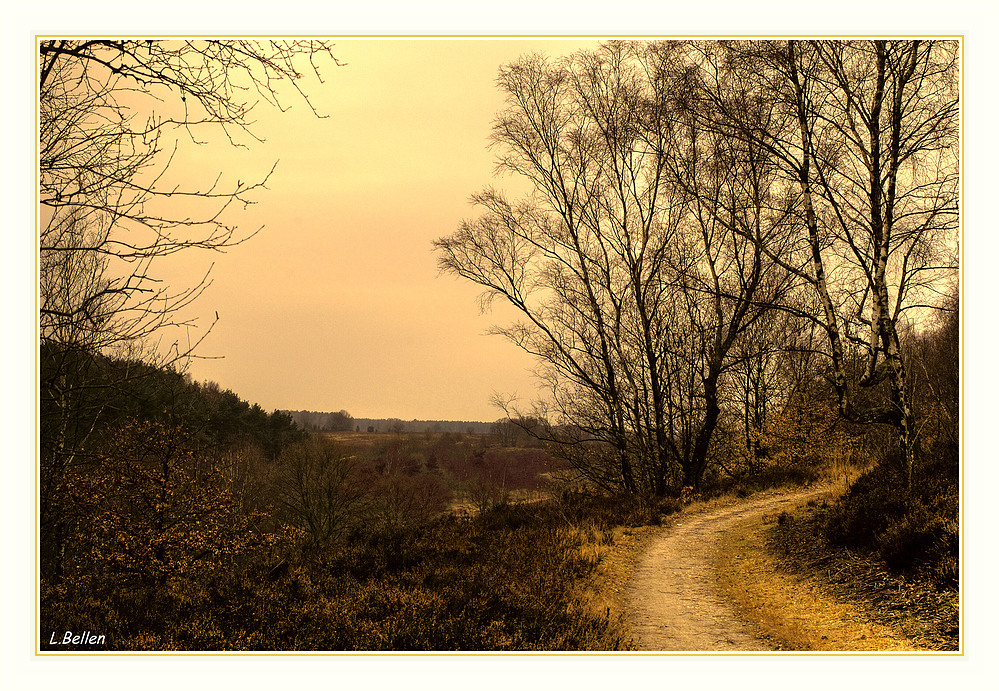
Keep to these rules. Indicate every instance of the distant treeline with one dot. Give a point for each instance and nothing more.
(342, 421)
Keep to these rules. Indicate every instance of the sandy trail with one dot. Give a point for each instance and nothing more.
(673, 602)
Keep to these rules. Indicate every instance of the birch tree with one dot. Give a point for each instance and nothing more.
(575, 257)
(868, 139)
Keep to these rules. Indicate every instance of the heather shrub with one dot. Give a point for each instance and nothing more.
(915, 529)
(865, 511)
(922, 538)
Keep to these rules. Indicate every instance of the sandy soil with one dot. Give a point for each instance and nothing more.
(672, 601)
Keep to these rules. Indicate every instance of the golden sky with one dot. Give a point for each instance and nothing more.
(337, 302)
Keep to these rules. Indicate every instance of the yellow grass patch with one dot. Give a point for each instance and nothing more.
(616, 553)
(791, 611)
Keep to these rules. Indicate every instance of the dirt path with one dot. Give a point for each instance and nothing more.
(672, 598)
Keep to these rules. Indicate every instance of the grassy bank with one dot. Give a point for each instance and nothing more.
(801, 593)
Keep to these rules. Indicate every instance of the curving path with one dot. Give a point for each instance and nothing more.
(672, 599)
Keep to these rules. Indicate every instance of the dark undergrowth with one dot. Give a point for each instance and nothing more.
(915, 531)
(505, 580)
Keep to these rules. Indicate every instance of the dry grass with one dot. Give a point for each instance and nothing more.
(793, 611)
(615, 554)
(913, 604)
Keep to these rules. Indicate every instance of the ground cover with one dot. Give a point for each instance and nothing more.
(804, 594)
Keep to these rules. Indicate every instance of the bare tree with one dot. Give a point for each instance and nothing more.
(107, 109)
(321, 489)
(574, 256)
(108, 212)
(630, 262)
(111, 116)
(731, 286)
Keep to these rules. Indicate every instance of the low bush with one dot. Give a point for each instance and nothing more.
(772, 476)
(915, 529)
(607, 510)
(865, 511)
(922, 538)
(504, 580)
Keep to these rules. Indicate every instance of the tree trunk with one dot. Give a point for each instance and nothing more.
(694, 470)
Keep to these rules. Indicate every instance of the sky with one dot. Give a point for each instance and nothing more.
(337, 303)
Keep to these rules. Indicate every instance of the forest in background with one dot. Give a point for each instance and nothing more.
(343, 421)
